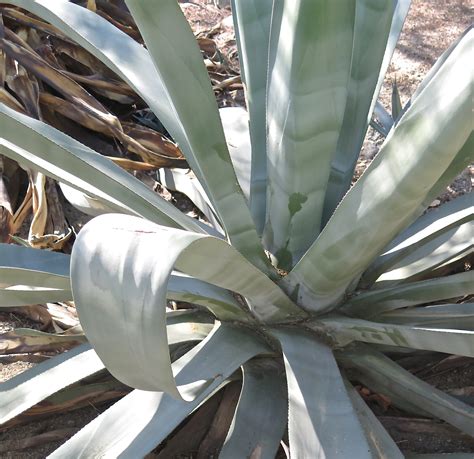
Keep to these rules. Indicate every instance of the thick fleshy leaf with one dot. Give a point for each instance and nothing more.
(449, 246)
(401, 8)
(275, 30)
(235, 121)
(219, 301)
(459, 262)
(26, 340)
(119, 261)
(322, 421)
(34, 385)
(187, 325)
(261, 415)
(426, 228)
(78, 395)
(236, 130)
(459, 163)
(42, 147)
(25, 266)
(397, 107)
(380, 442)
(372, 26)
(311, 69)
(438, 64)
(385, 376)
(185, 182)
(217, 350)
(252, 22)
(435, 222)
(85, 203)
(382, 202)
(179, 63)
(182, 327)
(458, 316)
(345, 330)
(134, 425)
(23, 295)
(370, 304)
(381, 121)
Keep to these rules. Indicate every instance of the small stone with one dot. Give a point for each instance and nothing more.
(435, 203)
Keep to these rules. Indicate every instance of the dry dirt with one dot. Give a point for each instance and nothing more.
(431, 26)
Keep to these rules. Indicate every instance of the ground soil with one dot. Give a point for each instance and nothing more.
(431, 26)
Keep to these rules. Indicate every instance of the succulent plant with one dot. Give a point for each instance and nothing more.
(300, 282)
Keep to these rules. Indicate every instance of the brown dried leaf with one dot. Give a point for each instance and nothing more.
(26, 88)
(23, 341)
(82, 67)
(63, 315)
(11, 102)
(6, 212)
(62, 83)
(48, 229)
(32, 37)
(17, 39)
(81, 134)
(40, 206)
(76, 113)
(28, 21)
(45, 52)
(152, 157)
(213, 441)
(161, 158)
(91, 5)
(35, 312)
(6, 216)
(13, 176)
(82, 56)
(130, 165)
(23, 210)
(110, 88)
(117, 13)
(190, 436)
(208, 45)
(153, 140)
(56, 230)
(130, 31)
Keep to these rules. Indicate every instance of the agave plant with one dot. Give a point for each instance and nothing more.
(299, 278)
